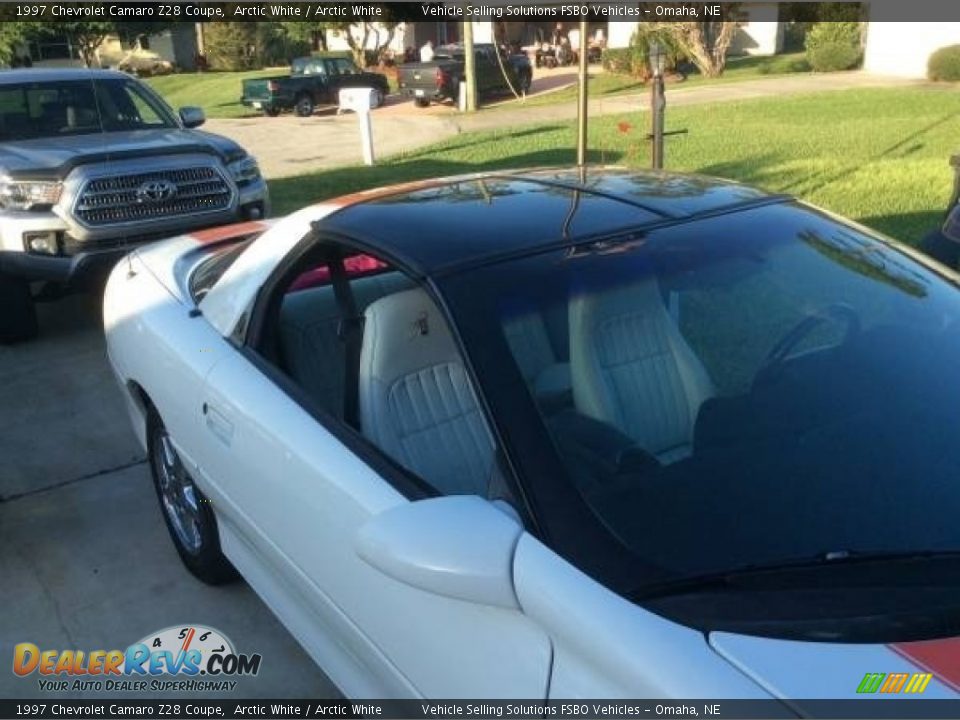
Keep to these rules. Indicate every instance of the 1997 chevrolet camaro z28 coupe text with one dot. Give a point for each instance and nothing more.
(540, 435)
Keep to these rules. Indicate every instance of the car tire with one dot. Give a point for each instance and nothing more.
(271, 111)
(941, 248)
(186, 511)
(421, 102)
(18, 318)
(304, 106)
(376, 98)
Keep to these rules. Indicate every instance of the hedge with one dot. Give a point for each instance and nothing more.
(944, 64)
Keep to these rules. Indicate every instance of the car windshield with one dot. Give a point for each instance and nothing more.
(34, 110)
(745, 390)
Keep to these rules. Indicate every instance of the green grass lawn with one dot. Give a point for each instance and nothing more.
(218, 93)
(879, 156)
(603, 84)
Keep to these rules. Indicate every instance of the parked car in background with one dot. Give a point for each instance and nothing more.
(623, 435)
(94, 162)
(440, 78)
(312, 81)
(943, 244)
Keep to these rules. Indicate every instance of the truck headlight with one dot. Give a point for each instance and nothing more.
(244, 171)
(27, 194)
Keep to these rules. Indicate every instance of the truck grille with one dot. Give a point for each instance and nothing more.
(152, 196)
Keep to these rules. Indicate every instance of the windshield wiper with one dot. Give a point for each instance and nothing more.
(834, 558)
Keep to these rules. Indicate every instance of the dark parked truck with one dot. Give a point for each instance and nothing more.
(312, 81)
(94, 162)
(440, 78)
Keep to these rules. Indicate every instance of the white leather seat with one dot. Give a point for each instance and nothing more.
(416, 402)
(529, 342)
(632, 369)
(313, 353)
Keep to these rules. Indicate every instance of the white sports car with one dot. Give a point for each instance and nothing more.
(536, 435)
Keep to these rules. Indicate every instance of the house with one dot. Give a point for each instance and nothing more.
(760, 31)
(177, 46)
(894, 47)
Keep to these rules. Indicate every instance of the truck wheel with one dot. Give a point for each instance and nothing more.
(376, 98)
(304, 106)
(18, 320)
(421, 102)
(271, 111)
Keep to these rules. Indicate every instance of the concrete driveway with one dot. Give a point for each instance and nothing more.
(85, 559)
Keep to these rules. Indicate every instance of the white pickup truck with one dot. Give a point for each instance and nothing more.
(93, 162)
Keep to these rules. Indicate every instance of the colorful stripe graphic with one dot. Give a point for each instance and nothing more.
(894, 682)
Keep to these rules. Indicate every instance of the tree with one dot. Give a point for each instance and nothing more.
(86, 36)
(375, 36)
(359, 34)
(15, 34)
(314, 33)
(231, 45)
(706, 42)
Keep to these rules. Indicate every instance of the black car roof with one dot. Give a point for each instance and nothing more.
(454, 223)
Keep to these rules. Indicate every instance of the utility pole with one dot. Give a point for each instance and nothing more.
(658, 104)
(470, 65)
(582, 99)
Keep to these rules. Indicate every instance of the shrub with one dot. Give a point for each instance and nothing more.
(617, 60)
(834, 46)
(944, 64)
(635, 60)
(833, 56)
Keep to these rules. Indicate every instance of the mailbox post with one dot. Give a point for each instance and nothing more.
(359, 100)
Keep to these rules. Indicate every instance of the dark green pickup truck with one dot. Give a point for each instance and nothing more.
(312, 81)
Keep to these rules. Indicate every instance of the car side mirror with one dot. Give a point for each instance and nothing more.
(192, 117)
(459, 546)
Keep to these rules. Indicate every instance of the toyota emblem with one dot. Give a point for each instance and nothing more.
(155, 191)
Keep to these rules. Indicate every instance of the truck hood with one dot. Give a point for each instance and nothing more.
(53, 158)
(793, 670)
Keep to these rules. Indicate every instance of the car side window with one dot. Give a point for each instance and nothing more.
(315, 67)
(371, 349)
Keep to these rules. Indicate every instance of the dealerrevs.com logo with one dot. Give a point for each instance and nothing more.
(179, 658)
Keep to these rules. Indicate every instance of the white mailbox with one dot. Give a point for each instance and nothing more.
(359, 100)
(356, 99)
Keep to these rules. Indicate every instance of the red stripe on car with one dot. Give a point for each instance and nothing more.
(364, 195)
(223, 232)
(940, 657)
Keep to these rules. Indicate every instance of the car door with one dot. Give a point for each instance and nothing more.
(336, 79)
(292, 489)
(318, 79)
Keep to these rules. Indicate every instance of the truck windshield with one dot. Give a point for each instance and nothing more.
(78, 107)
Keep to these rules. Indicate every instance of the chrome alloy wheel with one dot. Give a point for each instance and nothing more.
(178, 494)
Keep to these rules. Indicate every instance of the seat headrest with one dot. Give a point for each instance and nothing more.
(405, 332)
